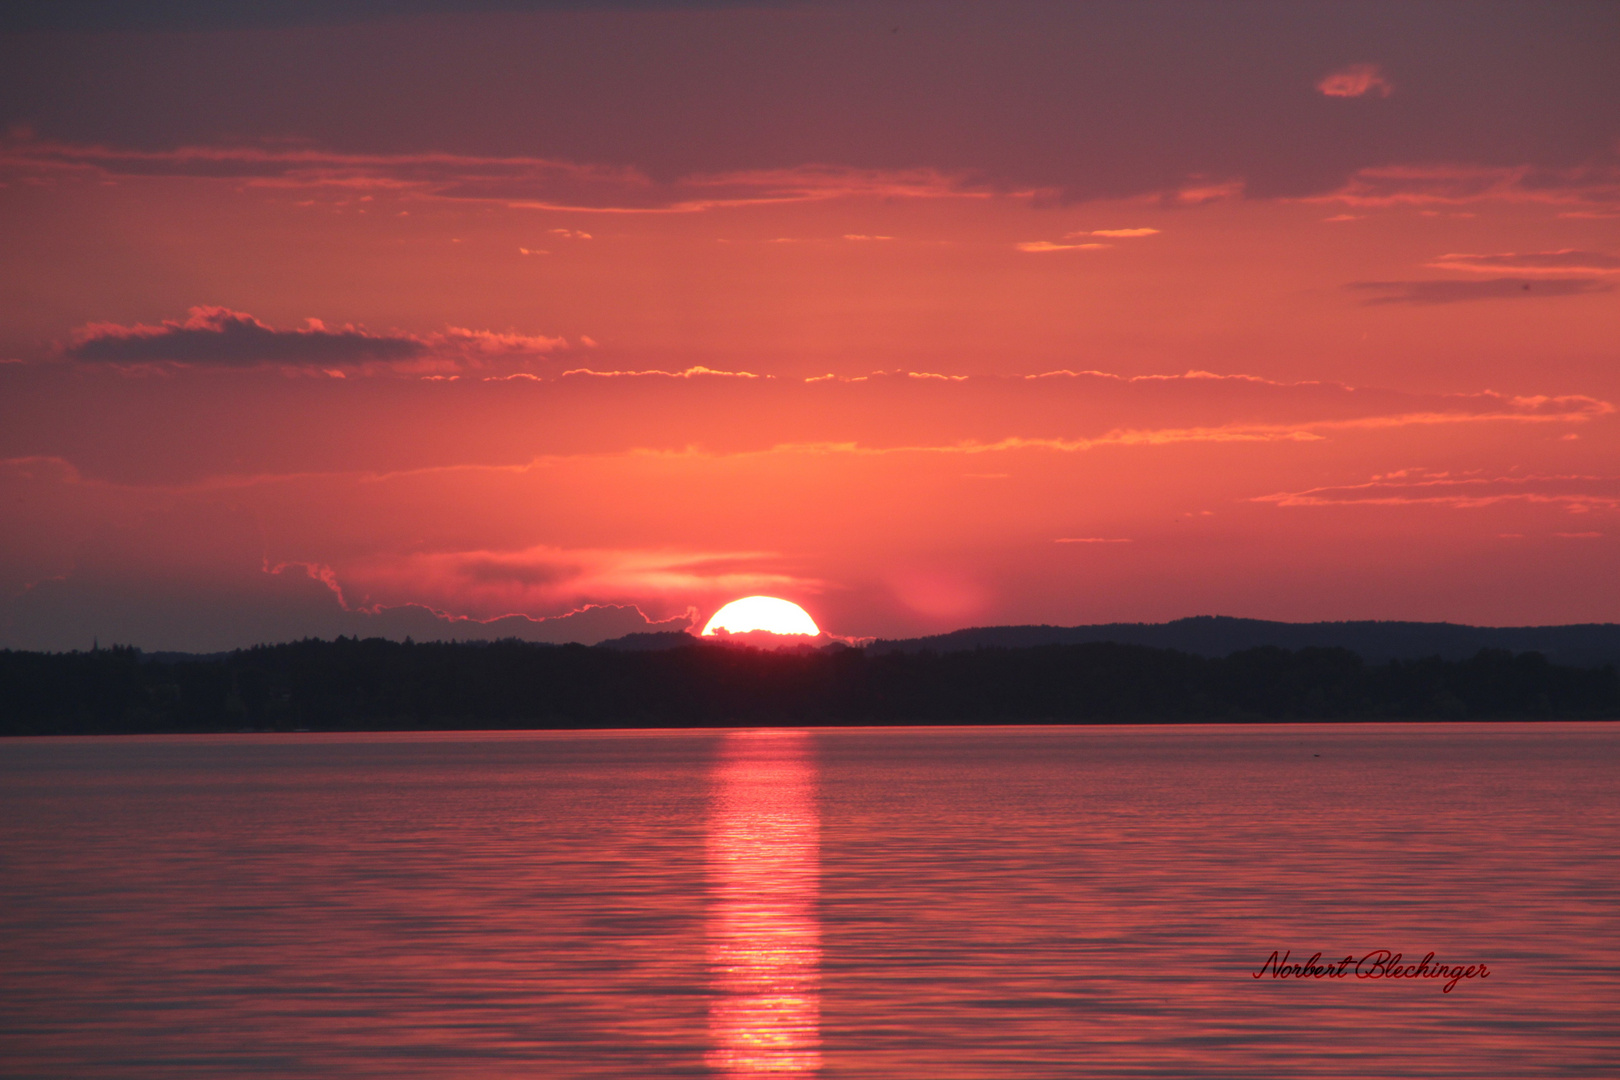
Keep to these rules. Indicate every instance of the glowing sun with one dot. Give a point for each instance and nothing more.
(762, 613)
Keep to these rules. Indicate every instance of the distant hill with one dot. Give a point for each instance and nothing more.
(1581, 645)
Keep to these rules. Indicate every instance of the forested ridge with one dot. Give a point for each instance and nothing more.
(352, 684)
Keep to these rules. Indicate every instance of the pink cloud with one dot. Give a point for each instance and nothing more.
(1122, 234)
(1197, 192)
(1357, 80)
(1047, 245)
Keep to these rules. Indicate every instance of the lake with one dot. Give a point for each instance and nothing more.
(863, 902)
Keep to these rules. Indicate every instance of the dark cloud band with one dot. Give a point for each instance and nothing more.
(213, 335)
(1456, 292)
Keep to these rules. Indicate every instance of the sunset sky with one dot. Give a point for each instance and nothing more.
(566, 320)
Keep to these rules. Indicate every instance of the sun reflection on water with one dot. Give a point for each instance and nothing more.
(764, 936)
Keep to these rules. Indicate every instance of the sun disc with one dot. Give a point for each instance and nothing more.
(762, 613)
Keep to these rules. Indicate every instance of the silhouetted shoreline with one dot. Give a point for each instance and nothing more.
(1376, 641)
(375, 684)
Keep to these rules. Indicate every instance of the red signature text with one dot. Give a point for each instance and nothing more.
(1378, 964)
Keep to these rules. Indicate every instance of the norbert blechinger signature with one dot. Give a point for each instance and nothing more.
(1378, 964)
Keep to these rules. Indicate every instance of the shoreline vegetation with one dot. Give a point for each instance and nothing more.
(374, 684)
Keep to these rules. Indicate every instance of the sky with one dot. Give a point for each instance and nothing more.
(563, 321)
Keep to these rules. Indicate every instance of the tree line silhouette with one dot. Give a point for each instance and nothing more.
(375, 684)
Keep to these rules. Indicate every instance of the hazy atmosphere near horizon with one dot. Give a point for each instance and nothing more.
(564, 320)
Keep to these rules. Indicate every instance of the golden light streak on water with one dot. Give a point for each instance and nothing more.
(764, 935)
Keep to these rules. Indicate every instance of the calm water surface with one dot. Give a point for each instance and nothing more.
(1026, 902)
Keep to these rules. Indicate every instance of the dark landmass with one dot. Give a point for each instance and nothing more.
(349, 684)
(1581, 645)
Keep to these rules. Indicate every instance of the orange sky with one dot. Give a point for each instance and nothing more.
(917, 319)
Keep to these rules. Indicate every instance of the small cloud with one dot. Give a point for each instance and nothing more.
(588, 342)
(1454, 292)
(863, 236)
(1563, 261)
(1345, 217)
(1357, 80)
(1047, 245)
(1199, 194)
(1093, 540)
(489, 343)
(1121, 234)
(572, 234)
(533, 251)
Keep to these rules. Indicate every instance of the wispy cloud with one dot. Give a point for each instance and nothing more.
(541, 183)
(1562, 261)
(510, 419)
(1418, 185)
(1456, 292)
(1357, 80)
(697, 372)
(1579, 494)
